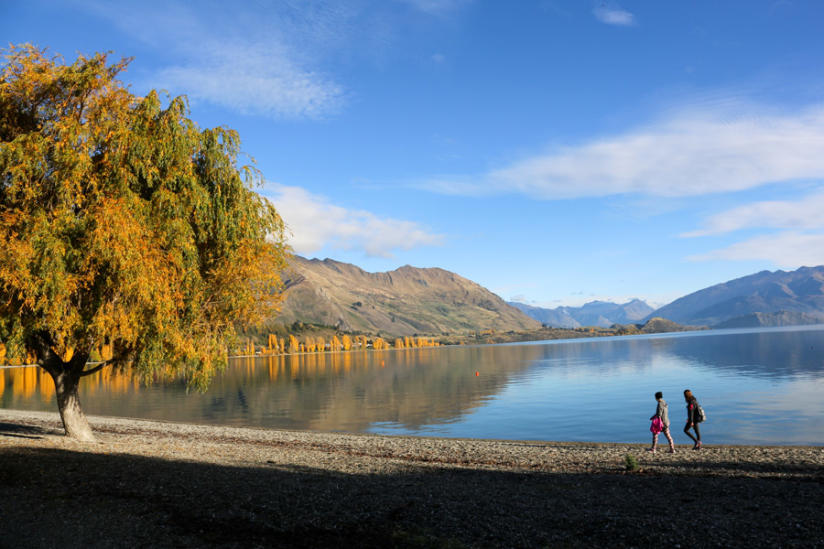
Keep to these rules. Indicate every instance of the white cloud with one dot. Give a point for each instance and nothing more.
(787, 250)
(269, 69)
(802, 214)
(691, 153)
(614, 16)
(317, 223)
(253, 82)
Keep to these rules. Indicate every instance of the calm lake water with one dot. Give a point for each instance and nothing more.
(761, 386)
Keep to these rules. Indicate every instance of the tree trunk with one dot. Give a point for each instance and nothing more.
(74, 420)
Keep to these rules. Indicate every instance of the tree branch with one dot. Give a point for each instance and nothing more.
(94, 370)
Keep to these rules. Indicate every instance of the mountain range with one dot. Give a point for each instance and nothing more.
(763, 299)
(595, 313)
(433, 301)
(406, 301)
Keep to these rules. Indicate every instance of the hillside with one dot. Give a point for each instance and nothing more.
(794, 297)
(781, 318)
(656, 325)
(595, 313)
(405, 301)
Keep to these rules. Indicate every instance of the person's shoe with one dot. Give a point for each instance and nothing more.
(697, 446)
(651, 450)
(672, 450)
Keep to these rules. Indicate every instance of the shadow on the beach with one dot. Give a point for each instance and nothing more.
(60, 498)
(22, 431)
(810, 470)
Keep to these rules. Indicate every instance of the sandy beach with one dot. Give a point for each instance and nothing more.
(156, 484)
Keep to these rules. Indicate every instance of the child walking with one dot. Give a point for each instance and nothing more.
(663, 415)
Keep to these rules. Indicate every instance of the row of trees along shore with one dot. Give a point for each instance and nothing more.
(317, 344)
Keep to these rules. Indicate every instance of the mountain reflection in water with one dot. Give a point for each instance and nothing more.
(323, 391)
(759, 386)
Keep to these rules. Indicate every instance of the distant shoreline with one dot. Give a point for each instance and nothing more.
(491, 338)
(584, 336)
(189, 483)
(697, 330)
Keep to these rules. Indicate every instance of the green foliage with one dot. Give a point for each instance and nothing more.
(124, 224)
(630, 463)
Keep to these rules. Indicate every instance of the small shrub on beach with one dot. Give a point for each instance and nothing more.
(630, 463)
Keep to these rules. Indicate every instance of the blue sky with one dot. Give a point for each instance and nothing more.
(553, 151)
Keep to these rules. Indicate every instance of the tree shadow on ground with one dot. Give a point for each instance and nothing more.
(60, 498)
(22, 431)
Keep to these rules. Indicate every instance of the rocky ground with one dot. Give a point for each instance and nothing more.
(153, 484)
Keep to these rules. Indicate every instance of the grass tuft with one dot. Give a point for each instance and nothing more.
(631, 463)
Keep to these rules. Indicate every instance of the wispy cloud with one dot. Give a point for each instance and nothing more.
(691, 153)
(788, 250)
(436, 7)
(271, 69)
(612, 15)
(247, 80)
(804, 214)
(317, 223)
(799, 240)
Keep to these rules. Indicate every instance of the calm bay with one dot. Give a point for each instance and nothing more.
(758, 386)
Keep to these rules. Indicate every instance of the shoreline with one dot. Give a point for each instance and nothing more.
(244, 487)
(104, 424)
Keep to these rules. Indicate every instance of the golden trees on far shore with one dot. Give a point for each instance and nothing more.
(414, 342)
(317, 344)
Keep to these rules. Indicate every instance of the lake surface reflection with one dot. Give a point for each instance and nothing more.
(758, 387)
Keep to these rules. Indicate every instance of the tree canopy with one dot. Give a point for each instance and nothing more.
(125, 227)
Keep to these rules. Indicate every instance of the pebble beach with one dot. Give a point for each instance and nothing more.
(157, 484)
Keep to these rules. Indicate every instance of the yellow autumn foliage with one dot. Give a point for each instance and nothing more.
(126, 228)
(294, 346)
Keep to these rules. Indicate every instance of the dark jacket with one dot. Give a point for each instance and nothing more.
(692, 410)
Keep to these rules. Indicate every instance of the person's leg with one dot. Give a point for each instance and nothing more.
(669, 439)
(698, 435)
(654, 442)
(687, 432)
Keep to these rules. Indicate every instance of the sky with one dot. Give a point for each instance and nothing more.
(555, 152)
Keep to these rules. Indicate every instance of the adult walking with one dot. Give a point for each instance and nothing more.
(692, 419)
(662, 415)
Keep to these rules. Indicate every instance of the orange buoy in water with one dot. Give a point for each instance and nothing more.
(477, 374)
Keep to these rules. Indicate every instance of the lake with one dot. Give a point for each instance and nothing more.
(759, 386)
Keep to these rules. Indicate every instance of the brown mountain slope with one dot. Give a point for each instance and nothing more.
(405, 301)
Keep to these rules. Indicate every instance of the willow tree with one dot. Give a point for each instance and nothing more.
(124, 227)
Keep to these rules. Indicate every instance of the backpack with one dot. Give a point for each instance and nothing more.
(700, 414)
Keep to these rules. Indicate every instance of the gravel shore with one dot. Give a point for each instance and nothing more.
(156, 484)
